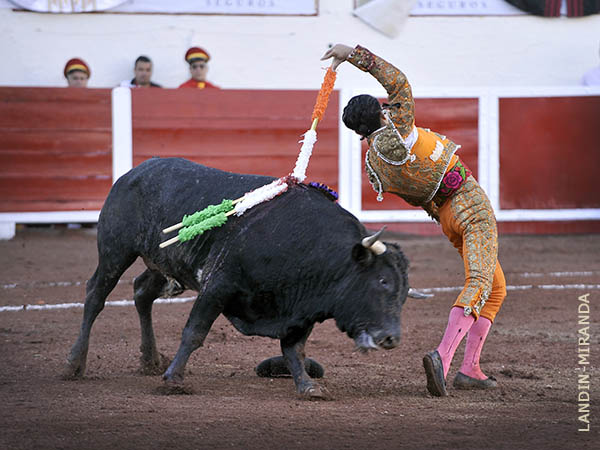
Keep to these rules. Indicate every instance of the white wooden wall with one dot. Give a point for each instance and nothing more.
(283, 52)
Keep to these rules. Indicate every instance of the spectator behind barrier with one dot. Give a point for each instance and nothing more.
(77, 73)
(197, 58)
(143, 73)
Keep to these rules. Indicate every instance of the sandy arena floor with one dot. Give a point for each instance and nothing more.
(380, 400)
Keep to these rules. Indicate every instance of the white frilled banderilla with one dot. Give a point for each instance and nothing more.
(216, 215)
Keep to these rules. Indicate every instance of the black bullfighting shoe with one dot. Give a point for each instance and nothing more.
(462, 381)
(276, 367)
(436, 383)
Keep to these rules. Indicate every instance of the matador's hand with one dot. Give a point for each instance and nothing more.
(339, 53)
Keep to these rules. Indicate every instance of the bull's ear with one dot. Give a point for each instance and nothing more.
(362, 255)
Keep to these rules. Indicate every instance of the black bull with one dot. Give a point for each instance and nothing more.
(275, 271)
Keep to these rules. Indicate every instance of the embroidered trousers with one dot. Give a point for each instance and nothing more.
(467, 219)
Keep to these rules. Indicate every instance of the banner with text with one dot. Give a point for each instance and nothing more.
(464, 8)
(234, 7)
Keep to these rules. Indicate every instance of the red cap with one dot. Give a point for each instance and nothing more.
(77, 64)
(196, 53)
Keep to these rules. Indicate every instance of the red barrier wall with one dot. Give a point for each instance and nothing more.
(236, 130)
(55, 149)
(55, 145)
(549, 152)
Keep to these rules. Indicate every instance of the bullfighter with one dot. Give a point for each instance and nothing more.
(422, 167)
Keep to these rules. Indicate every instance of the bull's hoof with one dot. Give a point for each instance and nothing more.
(154, 367)
(276, 367)
(315, 393)
(72, 372)
(172, 388)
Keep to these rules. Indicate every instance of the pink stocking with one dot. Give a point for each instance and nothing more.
(475, 341)
(458, 325)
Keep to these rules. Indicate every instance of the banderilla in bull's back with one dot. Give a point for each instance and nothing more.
(216, 215)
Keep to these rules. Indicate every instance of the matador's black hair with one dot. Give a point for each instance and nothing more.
(362, 114)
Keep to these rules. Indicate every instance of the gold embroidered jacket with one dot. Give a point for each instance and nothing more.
(403, 159)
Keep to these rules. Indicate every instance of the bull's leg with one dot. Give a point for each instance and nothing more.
(98, 287)
(292, 347)
(205, 311)
(146, 288)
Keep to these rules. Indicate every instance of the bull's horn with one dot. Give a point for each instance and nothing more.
(374, 244)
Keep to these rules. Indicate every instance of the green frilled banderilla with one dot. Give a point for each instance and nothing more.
(188, 233)
(195, 224)
(209, 211)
